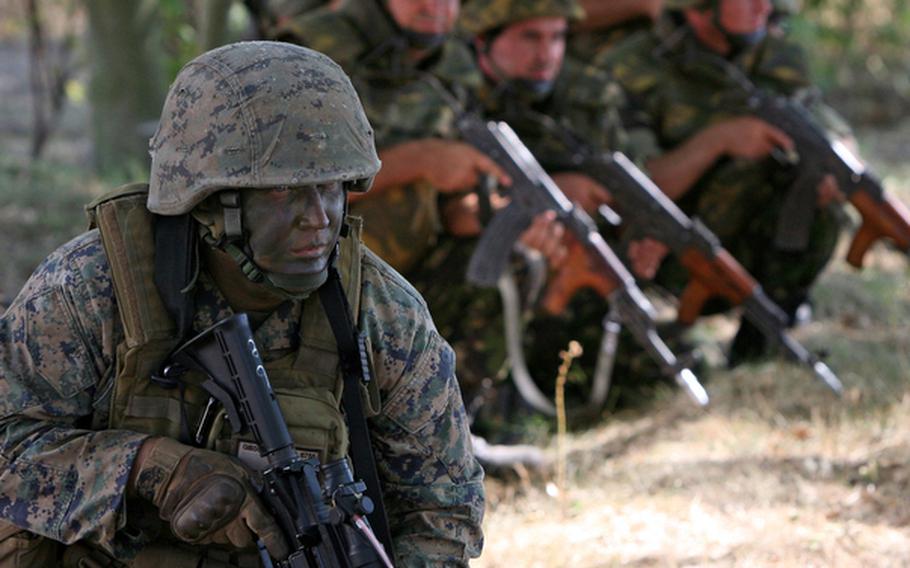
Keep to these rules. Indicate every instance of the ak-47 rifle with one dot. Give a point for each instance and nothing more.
(532, 192)
(320, 508)
(713, 272)
(883, 216)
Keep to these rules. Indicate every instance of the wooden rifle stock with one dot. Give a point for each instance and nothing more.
(889, 219)
(719, 276)
(578, 272)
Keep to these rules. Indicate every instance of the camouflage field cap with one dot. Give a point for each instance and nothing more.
(481, 16)
(256, 115)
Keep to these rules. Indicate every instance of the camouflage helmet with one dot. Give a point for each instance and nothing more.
(256, 115)
(480, 16)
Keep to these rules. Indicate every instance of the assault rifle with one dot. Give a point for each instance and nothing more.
(532, 192)
(320, 508)
(883, 216)
(713, 271)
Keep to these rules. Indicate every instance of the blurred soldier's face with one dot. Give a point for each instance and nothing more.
(744, 16)
(532, 49)
(292, 230)
(425, 16)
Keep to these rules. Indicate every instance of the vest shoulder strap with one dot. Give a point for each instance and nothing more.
(127, 234)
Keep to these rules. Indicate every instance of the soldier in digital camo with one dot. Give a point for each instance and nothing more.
(258, 146)
(722, 165)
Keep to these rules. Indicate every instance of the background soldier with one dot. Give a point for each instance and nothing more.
(721, 164)
(259, 144)
(519, 46)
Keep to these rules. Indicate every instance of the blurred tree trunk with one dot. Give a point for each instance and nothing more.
(127, 82)
(213, 23)
(50, 67)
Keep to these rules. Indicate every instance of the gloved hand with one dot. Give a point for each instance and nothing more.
(206, 496)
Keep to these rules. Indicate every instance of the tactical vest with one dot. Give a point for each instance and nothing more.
(307, 381)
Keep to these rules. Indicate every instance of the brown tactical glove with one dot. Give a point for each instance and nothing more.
(205, 496)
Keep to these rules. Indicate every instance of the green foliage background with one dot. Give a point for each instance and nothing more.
(858, 50)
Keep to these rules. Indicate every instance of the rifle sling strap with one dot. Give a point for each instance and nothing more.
(176, 265)
(356, 370)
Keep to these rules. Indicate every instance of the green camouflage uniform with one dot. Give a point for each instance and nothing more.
(588, 104)
(64, 340)
(676, 92)
(588, 45)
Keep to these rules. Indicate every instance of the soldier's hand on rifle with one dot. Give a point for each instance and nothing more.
(583, 190)
(749, 137)
(645, 256)
(456, 166)
(828, 192)
(207, 497)
(546, 236)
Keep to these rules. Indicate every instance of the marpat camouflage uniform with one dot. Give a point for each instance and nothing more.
(64, 480)
(676, 91)
(63, 471)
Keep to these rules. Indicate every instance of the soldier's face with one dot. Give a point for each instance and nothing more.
(425, 16)
(744, 16)
(532, 49)
(292, 230)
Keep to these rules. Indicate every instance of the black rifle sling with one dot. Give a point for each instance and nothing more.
(175, 268)
(175, 271)
(356, 370)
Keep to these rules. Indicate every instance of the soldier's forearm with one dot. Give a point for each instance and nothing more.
(445, 530)
(87, 470)
(601, 14)
(401, 164)
(676, 171)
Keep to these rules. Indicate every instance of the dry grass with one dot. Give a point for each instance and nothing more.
(745, 484)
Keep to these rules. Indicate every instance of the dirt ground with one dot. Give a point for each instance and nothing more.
(716, 489)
